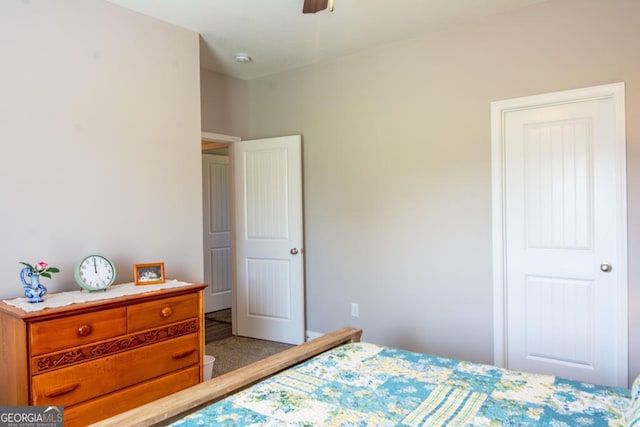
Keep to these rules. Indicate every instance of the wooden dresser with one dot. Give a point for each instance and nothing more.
(101, 358)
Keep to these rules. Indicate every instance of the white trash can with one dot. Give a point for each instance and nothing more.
(208, 366)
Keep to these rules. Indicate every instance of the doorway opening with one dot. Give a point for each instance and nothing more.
(218, 245)
(259, 196)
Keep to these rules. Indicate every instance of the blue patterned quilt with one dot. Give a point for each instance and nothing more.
(363, 384)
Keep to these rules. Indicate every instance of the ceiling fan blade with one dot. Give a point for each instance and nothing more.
(313, 6)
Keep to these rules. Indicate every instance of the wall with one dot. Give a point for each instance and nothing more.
(99, 141)
(224, 104)
(397, 166)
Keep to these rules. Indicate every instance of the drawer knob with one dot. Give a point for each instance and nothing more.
(166, 312)
(84, 330)
(62, 390)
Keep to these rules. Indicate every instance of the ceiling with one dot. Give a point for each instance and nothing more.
(278, 36)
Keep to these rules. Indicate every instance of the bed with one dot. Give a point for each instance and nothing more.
(337, 380)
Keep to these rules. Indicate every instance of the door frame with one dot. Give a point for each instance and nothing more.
(216, 137)
(499, 109)
(214, 141)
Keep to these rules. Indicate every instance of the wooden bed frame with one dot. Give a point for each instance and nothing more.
(171, 408)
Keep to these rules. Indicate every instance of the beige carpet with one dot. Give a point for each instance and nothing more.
(234, 352)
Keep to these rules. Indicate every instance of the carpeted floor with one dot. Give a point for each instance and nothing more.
(232, 352)
(235, 352)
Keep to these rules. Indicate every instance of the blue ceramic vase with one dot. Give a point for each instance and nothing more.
(33, 290)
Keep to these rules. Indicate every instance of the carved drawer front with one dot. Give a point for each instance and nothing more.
(71, 331)
(82, 382)
(161, 312)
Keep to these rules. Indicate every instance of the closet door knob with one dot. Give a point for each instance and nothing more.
(294, 251)
(605, 267)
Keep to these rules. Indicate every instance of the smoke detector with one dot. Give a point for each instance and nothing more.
(242, 58)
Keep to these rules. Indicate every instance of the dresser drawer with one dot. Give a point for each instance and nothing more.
(71, 331)
(111, 404)
(161, 312)
(85, 381)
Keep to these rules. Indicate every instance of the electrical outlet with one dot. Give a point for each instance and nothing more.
(355, 309)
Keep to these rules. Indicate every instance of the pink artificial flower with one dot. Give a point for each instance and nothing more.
(41, 266)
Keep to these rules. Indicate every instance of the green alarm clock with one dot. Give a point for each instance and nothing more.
(95, 273)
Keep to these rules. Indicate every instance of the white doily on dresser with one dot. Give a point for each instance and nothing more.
(74, 297)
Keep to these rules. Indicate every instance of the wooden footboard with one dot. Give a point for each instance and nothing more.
(175, 406)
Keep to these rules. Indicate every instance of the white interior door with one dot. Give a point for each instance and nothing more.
(269, 238)
(217, 232)
(565, 240)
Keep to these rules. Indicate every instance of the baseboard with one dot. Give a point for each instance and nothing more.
(313, 335)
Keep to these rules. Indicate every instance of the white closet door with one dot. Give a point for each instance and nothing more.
(565, 258)
(217, 232)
